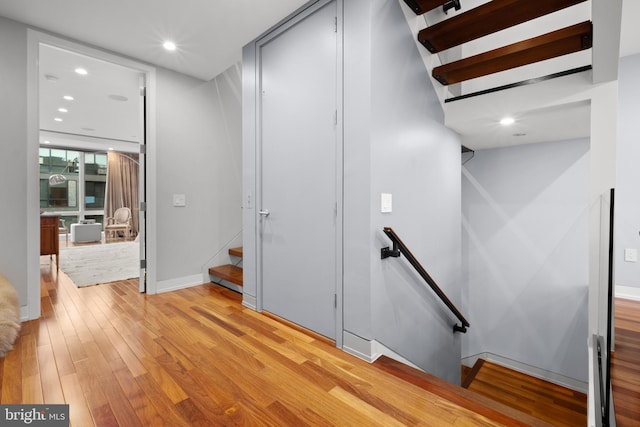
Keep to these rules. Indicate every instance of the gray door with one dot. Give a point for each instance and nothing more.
(298, 172)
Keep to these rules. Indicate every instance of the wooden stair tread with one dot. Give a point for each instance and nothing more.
(556, 43)
(537, 397)
(230, 273)
(470, 400)
(236, 252)
(422, 6)
(486, 19)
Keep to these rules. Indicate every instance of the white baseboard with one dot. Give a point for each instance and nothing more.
(628, 292)
(368, 350)
(250, 301)
(178, 283)
(533, 371)
(24, 313)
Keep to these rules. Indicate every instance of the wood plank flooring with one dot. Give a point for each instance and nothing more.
(625, 363)
(197, 357)
(541, 399)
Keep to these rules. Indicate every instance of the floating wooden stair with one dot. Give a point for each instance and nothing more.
(486, 19)
(557, 43)
(422, 6)
(230, 273)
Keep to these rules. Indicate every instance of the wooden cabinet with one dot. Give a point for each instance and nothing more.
(49, 239)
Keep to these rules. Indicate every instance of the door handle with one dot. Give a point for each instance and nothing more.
(264, 212)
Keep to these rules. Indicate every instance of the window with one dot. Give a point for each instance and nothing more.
(81, 194)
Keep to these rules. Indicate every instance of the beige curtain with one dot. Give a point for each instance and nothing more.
(122, 186)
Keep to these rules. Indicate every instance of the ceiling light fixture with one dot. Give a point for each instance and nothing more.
(58, 119)
(507, 121)
(81, 71)
(47, 142)
(68, 97)
(169, 45)
(63, 110)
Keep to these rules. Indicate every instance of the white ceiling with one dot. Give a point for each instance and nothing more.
(209, 35)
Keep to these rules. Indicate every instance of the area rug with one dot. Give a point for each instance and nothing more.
(90, 265)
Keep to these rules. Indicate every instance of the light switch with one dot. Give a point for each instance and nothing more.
(386, 202)
(631, 255)
(179, 200)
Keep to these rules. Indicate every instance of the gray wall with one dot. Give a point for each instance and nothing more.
(394, 142)
(417, 159)
(525, 255)
(13, 152)
(628, 171)
(199, 155)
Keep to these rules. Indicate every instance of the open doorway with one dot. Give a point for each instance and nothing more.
(92, 170)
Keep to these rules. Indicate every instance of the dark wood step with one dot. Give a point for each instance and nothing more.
(557, 43)
(471, 373)
(475, 402)
(230, 273)
(236, 252)
(422, 6)
(486, 19)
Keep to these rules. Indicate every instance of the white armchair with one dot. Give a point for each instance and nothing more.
(119, 222)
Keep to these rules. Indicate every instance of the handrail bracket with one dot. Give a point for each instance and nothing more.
(457, 328)
(386, 252)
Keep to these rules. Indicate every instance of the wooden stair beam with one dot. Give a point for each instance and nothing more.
(230, 273)
(486, 19)
(475, 402)
(423, 6)
(237, 252)
(557, 43)
(472, 373)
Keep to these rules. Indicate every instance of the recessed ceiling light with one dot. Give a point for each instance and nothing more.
(58, 119)
(118, 98)
(110, 148)
(68, 97)
(63, 110)
(169, 45)
(47, 142)
(507, 121)
(81, 71)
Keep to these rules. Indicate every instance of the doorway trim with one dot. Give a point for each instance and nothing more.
(253, 69)
(34, 39)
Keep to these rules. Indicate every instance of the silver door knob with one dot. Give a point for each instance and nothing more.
(264, 212)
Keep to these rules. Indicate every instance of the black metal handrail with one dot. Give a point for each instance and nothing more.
(400, 248)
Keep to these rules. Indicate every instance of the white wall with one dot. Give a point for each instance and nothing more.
(14, 212)
(526, 255)
(628, 171)
(199, 155)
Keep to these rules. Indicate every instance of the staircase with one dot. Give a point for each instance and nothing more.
(229, 275)
(489, 18)
(500, 394)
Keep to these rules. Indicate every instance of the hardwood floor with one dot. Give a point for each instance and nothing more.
(541, 399)
(198, 357)
(625, 363)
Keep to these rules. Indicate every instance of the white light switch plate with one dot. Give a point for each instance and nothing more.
(631, 255)
(386, 202)
(179, 200)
